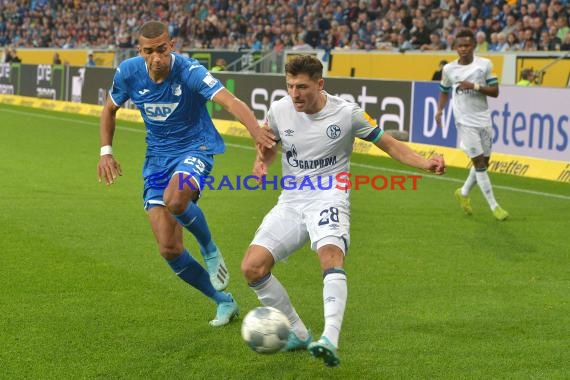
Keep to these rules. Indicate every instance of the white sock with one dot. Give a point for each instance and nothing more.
(485, 185)
(335, 293)
(272, 293)
(469, 182)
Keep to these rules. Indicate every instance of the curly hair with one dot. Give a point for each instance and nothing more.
(305, 64)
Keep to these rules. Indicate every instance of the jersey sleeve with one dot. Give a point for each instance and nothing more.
(204, 83)
(445, 84)
(364, 126)
(272, 123)
(490, 76)
(119, 91)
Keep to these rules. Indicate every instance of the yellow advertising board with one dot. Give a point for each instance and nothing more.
(71, 57)
(395, 66)
(554, 69)
(502, 163)
(552, 72)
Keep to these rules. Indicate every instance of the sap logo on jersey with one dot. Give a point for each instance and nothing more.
(159, 111)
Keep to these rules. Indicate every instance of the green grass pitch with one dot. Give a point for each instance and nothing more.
(433, 294)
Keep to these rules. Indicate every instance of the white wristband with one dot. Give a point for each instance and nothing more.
(107, 149)
(476, 87)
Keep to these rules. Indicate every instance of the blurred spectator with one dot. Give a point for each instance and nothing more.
(566, 43)
(267, 25)
(437, 74)
(450, 39)
(403, 44)
(435, 20)
(90, 61)
(56, 59)
(220, 65)
(481, 42)
(487, 9)
(511, 25)
(562, 23)
(494, 44)
(435, 43)
(528, 40)
(503, 43)
(544, 42)
(555, 41)
(419, 35)
(301, 45)
(12, 56)
(527, 77)
(529, 45)
(124, 40)
(514, 43)
(278, 46)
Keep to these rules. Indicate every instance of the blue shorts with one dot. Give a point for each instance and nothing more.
(158, 171)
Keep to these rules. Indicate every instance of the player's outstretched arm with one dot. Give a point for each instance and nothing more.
(404, 154)
(443, 98)
(264, 158)
(245, 115)
(108, 168)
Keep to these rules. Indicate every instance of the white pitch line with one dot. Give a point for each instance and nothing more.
(373, 167)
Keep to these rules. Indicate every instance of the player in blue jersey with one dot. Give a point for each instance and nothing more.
(171, 92)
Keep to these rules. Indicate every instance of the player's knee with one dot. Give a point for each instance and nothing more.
(249, 271)
(175, 207)
(175, 203)
(169, 254)
(331, 256)
(479, 162)
(252, 268)
(170, 251)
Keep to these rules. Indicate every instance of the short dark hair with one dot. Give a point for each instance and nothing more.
(305, 64)
(153, 29)
(465, 33)
(526, 73)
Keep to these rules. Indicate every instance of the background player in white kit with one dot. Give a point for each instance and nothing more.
(472, 79)
(317, 132)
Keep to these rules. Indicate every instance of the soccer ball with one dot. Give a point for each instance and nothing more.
(265, 330)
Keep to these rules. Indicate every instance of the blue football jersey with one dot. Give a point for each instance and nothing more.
(174, 111)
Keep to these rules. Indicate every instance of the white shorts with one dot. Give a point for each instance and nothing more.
(288, 226)
(475, 141)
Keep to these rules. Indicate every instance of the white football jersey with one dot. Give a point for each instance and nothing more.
(470, 107)
(316, 148)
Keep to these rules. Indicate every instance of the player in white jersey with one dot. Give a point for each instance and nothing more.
(317, 132)
(471, 79)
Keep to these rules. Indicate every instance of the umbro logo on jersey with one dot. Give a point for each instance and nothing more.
(144, 91)
(334, 226)
(289, 132)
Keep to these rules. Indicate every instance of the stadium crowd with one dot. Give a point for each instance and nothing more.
(265, 25)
